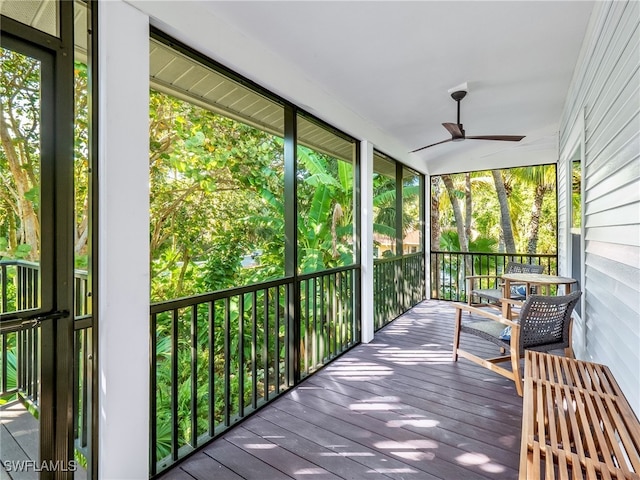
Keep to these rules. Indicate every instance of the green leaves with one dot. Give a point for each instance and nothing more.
(22, 251)
(196, 140)
(325, 205)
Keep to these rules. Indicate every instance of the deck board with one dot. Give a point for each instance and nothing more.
(19, 439)
(241, 462)
(20, 442)
(323, 457)
(395, 408)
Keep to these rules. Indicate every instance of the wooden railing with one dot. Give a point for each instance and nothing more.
(217, 357)
(449, 270)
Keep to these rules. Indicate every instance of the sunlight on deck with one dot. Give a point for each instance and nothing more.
(311, 471)
(420, 423)
(393, 470)
(260, 446)
(375, 406)
(348, 454)
(359, 371)
(481, 460)
(414, 456)
(414, 357)
(408, 444)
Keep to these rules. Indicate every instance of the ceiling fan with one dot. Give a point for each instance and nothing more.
(458, 134)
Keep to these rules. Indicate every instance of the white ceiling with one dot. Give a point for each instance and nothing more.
(390, 64)
(393, 63)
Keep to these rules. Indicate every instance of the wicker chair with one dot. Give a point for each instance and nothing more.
(544, 324)
(492, 296)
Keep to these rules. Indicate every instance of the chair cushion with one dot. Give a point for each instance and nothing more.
(487, 329)
(490, 293)
(506, 334)
(519, 292)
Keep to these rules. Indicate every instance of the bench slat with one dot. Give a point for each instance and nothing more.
(576, 422)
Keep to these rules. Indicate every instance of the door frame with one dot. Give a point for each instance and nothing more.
(56, 404)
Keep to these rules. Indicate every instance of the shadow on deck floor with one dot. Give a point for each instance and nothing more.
(396, 408)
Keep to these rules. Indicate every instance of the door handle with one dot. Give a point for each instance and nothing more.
(37, 319)
(13, 324)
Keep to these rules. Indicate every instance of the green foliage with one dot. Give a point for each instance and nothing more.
(9, 358)
(216, 189)
(449, 242)
(325, 211)
(523, 185)
(19, 155)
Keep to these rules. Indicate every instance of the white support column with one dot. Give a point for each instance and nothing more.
(123, 282)
(366, 243)
(427, 235)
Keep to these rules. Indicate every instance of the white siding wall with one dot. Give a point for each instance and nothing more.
(605, 92)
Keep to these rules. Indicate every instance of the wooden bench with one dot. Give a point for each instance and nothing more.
(576, 422)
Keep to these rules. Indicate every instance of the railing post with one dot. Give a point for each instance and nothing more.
(3, 293)
(293, 330)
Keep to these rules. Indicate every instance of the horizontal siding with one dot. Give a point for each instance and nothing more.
(606, 90)
(619, 282)
(621, 175)
(625, 254)
(615, 234)
(625, 215)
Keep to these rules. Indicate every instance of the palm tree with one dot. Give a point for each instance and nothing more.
(457, 211)
(542, 179)
(505, 213)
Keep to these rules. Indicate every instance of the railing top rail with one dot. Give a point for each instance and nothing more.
(78, 273)
(16, 262)
(319, 273)
(19, 263)
(499, 254)
(183, 302)
(398, 257)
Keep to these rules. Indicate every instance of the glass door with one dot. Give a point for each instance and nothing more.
(36, 329)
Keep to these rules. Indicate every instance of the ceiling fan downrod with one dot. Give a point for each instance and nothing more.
(457, 96)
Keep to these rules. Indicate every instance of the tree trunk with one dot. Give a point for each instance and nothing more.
(435, 235)
(29, 221)
(468, 207)
(505, 214)
(534, 225)
(435, 214)
(462, 236)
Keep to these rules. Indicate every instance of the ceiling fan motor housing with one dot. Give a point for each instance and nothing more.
(459, 95)
(456, 138)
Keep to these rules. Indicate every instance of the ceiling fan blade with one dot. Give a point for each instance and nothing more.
(427, 146)
(503, 138)
(454, 129)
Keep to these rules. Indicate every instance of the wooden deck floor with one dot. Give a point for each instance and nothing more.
(20, 442)
(19, 439)
(396, 408)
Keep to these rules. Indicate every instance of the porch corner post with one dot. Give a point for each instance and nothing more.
(426, 234)
(123, 274)
(366, 242)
